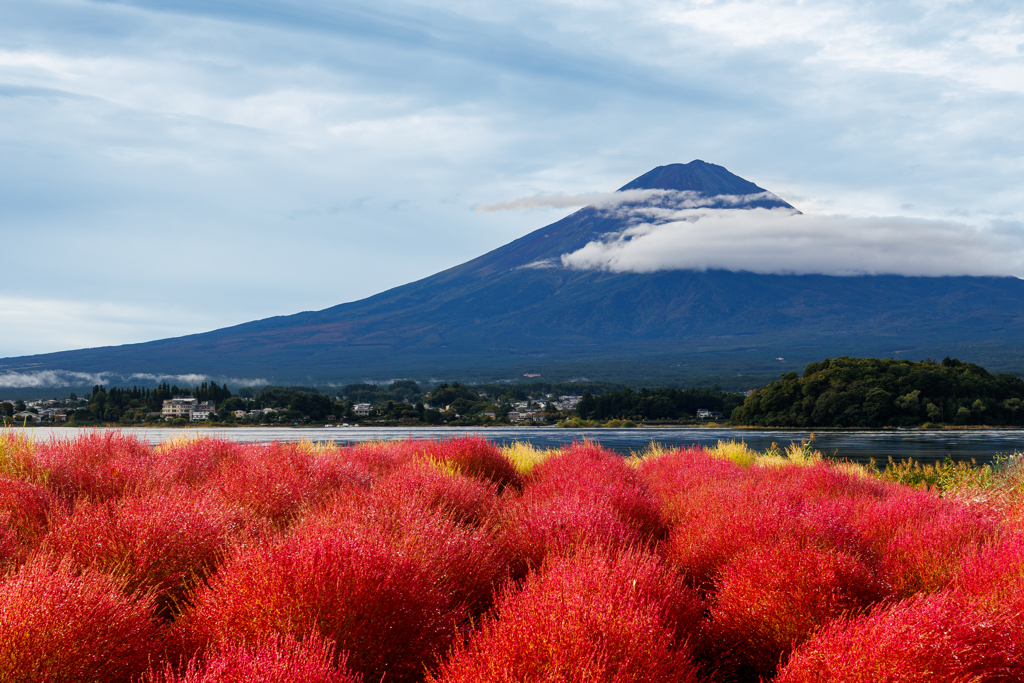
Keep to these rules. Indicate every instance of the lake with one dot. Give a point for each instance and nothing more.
(923, 445)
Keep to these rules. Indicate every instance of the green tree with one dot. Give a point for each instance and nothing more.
(858, 392)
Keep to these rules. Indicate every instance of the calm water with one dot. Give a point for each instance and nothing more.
(981, 445)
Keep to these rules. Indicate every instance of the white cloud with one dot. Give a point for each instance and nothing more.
(779, 241)
(975, 49)
(50, 378)
(186, 378)
(192, 379)
(44, 379)
(674, 199)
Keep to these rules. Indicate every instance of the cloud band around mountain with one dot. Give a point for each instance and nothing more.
(673, 199)
(778, 241)
(47, 379)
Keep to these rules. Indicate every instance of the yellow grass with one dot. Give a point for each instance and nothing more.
(736, 451)
(743, 455)
(17, 453)
(526, 456)
(180, 440)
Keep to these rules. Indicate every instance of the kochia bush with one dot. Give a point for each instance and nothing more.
(771, 598)
(390, 588)
(57, 625)
(25, 510)
(276, 659)
(926, 638)
(156, 543)
(590, 616)
(476, 457)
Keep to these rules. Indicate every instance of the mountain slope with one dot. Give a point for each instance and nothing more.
(516, 309)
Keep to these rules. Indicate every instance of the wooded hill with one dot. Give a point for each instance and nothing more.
(872, 392)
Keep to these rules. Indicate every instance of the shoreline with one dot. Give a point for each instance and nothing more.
(638, 427)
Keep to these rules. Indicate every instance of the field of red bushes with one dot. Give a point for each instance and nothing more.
(457, 561)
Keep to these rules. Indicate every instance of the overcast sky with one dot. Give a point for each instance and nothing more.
(174, 167)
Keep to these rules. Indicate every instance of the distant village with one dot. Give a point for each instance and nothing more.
(190, 409)
(401, 403)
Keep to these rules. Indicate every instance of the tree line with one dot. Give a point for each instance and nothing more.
(872, 392)
(116, 404)
(656, 404)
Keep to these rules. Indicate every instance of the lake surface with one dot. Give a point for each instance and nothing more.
(926, 446)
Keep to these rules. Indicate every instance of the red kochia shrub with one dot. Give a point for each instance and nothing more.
(424, 484)
(715, 520)
(820, 481)
(586, 470)
(678, 471)
(774, 596)
(61, 626)
(95, 465)
(994, 575)
(536, 529)
(279, 481)
(25, 508)
(926, 638)
(192, 462)
(381, 457)
(276, 659)
(155, 543)
(476, 457)
(922, 538)
(586, 617)
(581, 496)
(391, 588)
(10, 544)
(702, 499)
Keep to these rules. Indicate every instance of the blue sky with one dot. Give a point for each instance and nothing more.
(174, 167)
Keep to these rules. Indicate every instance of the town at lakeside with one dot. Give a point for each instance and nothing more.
(834, 393)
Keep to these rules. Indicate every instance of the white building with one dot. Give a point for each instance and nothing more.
(187, 406)
(202, 411)
(361, 409)
(179, 406)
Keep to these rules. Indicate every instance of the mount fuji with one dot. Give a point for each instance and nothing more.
(520, 309)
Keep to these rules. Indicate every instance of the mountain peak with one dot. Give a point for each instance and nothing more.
(707, 179)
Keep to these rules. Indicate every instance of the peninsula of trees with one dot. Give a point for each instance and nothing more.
(873, 393)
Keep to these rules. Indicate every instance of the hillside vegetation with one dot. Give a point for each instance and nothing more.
(872, 392)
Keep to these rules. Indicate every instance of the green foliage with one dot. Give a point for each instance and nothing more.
(132, 405)
(445, 394)
(314, 406)
(948, 475)
(401, 390)
(872, 392)
(655, 404)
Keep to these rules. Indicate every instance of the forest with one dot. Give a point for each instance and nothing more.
(656, 404)
(874, 393)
